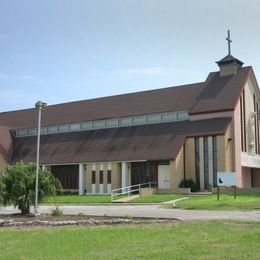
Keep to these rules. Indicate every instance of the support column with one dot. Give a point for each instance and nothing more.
(81, 179)
(126, 174)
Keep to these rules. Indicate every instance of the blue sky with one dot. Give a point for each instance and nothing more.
(65, 50)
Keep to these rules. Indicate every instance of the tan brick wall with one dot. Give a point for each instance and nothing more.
(221, 153)
(116, 175)
(229, 151)
(246, 177)
(88, 178)
(190, 158)
(177, 168)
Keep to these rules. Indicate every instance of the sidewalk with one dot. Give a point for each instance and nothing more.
(147, 211)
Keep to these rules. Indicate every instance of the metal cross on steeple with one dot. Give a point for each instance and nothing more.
(229, 42)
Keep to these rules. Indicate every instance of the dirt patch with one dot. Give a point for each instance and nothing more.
(16, 220)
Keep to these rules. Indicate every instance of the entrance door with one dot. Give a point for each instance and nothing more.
(164, 174)
(142, 172)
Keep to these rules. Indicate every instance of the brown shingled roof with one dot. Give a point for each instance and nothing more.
(221, 93)
(145, 102)
(215, 94)
(146, 142)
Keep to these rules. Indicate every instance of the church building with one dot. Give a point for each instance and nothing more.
(163, 135)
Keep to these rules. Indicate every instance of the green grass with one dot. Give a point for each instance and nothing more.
(206, 240)
(157, 198)
(71, 199)
(249, 201)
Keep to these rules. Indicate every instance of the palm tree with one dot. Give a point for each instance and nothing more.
(17, 185)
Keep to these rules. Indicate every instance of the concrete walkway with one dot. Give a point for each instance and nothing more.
(126, 199)
(149, 211)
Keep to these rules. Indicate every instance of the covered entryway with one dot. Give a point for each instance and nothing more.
(68, 176)
(142, 172)
(164, 174)
(255, 178)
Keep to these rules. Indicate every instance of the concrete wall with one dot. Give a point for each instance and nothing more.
(250, 118)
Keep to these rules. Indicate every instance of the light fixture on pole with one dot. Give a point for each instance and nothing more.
(41, 106)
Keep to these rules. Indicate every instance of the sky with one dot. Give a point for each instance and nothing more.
(66, 50)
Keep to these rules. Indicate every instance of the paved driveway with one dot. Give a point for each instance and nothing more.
(154, 211)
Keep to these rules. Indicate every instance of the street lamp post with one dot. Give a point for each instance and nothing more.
(41, 106)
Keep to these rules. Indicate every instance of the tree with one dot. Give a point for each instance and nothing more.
(17, 185)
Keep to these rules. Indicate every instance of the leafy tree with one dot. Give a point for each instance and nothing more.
(17, 185)
(1, 191)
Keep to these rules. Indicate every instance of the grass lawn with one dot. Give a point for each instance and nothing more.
(206, 240)
(70, 199)
(250, 201)
(157, 198)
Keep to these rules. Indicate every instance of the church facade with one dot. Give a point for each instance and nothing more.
(163, 136)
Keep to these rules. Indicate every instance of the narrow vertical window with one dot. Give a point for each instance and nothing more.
(101, 175)
(93, 177)
(206, 163)
(197, 163)
(215, 160)
(109, 175)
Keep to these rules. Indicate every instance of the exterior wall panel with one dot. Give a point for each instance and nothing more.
(190, 159)
(178, 170)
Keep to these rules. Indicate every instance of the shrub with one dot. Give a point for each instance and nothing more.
(18, 185)
(57, 212)
(188, 184)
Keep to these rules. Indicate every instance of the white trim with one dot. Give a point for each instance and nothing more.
(101, 188)
(109, 166)
(109, 188)
(93, 188)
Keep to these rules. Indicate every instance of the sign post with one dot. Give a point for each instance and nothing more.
(226, 179)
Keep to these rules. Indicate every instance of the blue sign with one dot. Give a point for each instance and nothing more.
(226, 179)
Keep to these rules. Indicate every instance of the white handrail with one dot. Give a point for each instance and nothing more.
(130, 189)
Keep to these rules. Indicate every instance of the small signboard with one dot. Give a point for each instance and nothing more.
(226, 179)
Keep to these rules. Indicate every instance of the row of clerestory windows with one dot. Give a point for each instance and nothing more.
(107, 123)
